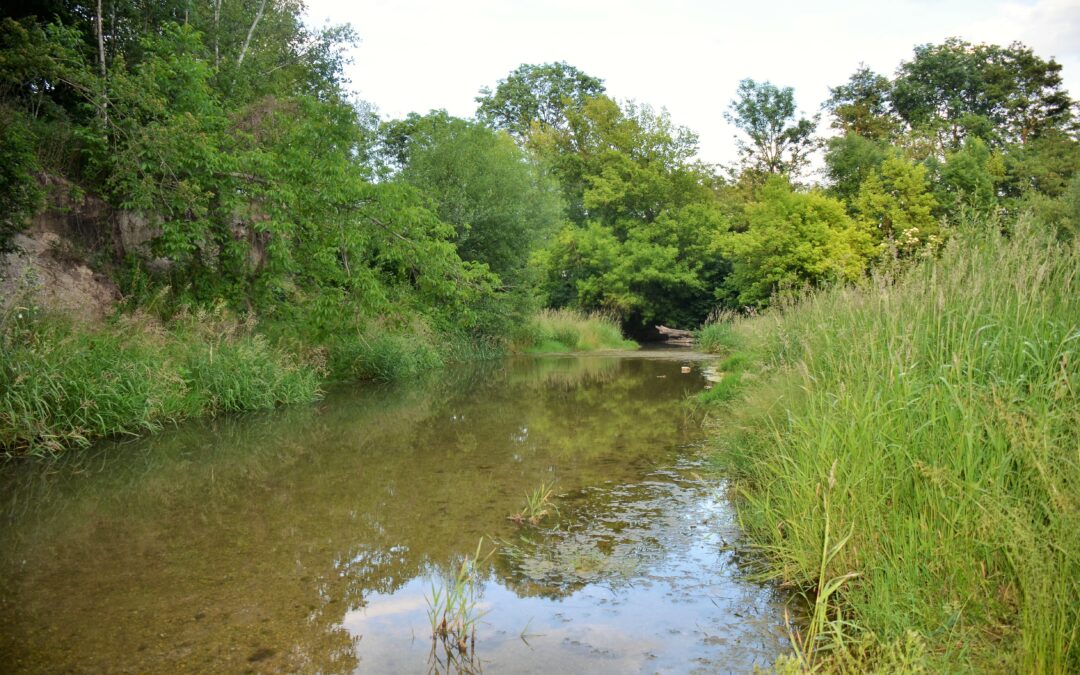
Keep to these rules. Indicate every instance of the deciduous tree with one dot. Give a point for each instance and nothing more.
(777, 140)
(536, 95)
(794, 239)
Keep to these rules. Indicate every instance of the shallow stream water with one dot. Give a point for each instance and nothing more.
(314, 538)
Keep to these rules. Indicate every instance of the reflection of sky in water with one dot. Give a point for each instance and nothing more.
(683, 608)
(305, 539)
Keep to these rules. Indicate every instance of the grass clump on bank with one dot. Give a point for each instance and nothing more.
(381, 356)
(907, 456)
(64, 385)
(566, 330)
(717, 335)
(734, 370)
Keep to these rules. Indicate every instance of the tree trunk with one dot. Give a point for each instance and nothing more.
(100, 39)
(251, 31)
(103, 102)
(217, 33)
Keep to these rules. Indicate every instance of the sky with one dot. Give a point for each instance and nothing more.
(684, 55)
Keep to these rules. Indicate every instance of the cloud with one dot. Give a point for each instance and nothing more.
(687, 55)
(1050, 27)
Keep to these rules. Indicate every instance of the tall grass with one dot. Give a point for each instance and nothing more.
(908, 456)
(454, 612)
(565, 330)
(717, 334)
(64, 385)
(381, 356)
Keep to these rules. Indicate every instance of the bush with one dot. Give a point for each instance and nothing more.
(20, 194)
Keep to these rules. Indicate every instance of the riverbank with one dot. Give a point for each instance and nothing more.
(64, 384)
(905, 455)
(557, 331)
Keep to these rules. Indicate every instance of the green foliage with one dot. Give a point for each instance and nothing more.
(725, 388)
(862, 106)
(1043, 166)
(538, 505)
(998, 94)
(648, 277)
(849, 160)
(731, 374)
(968, 179)
(793, 240)
(499, 201)
(19, 192)
(242, 156)
(642, 246)
(381, 356)
(932, 421)
(716, 336)
(237, 374)
(536, 97)
(621, 163)
(898, 207)
(778, 142)
(1060, 215)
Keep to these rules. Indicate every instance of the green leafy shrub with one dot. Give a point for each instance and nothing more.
(20, 194)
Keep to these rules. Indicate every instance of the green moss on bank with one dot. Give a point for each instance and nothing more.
(906, 455)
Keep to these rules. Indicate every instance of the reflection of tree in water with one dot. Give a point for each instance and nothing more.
(608, 534)
(247, 539)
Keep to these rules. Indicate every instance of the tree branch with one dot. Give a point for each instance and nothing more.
(251, 32)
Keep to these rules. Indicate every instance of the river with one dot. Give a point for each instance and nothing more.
(315, 538)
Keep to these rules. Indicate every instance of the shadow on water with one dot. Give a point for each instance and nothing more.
(310, 538)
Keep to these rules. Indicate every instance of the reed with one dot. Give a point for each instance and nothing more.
(63, 385)
(938, 411)
(538, 505)
(454, 612)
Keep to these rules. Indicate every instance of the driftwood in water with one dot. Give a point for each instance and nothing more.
(676, 335)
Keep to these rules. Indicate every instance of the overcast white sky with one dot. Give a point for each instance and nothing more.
(685, 55)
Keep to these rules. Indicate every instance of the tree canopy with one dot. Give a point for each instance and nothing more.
(777, 141)
(228, 128)
(536, 95)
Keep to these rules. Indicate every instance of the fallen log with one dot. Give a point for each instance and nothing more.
(674, 333)
(686, 342)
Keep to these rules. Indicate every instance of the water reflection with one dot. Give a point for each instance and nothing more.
(305, 539)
